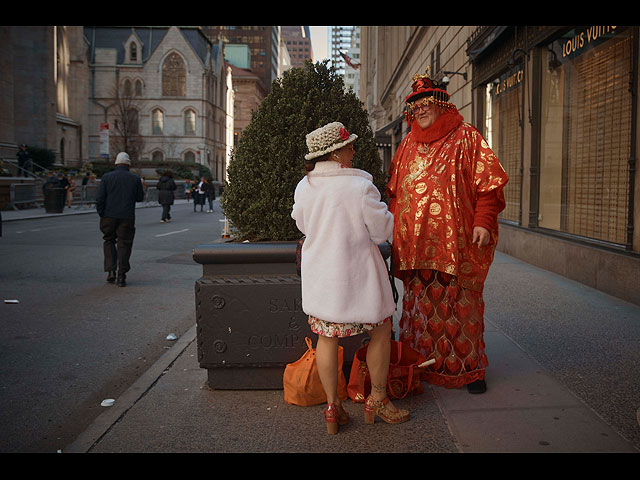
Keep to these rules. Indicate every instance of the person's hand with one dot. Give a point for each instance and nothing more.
(481, 236)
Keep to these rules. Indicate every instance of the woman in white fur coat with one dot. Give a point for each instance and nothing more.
(345, 283)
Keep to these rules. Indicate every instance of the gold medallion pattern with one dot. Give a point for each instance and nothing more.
(432, 190)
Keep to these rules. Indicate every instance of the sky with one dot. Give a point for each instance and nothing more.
(319, 43)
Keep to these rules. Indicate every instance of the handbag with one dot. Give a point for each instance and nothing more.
(301, 380)
(405, 368)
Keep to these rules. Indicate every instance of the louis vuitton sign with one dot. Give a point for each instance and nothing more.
(575, 42)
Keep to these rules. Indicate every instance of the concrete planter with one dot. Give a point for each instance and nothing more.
(249, 316)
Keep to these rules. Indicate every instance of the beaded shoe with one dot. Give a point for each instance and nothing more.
(380, 408)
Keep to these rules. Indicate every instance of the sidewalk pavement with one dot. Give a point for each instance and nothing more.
(170, 409)
(525, 409)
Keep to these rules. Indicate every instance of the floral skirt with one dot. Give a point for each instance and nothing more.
(445, 322)
(331, 329)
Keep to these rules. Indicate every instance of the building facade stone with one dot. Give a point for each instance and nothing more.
(558, 105)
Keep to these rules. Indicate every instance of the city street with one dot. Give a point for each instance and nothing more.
(562, 375)
(73, 339)
(509, 152)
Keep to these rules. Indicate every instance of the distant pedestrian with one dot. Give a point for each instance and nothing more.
(24, 160)
(118, 193)
(145, 187)
(199, 194)
(63, 182)
(87, 180)
(166, 188)
(210, 193)
(71, 188)
(187, 189)
(83, 187)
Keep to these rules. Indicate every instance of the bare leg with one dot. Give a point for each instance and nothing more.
(378, 352)
(327, 361)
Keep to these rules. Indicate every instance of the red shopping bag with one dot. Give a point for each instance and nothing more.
(405, 367)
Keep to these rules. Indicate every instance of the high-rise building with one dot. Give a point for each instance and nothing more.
(340, 42)
(298, 42)
(263, 42)
(352, 63)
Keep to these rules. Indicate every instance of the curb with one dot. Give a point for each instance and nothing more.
(103, 423)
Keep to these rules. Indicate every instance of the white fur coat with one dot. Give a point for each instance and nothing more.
(344, 277)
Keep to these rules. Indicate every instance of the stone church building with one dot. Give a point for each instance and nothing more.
(162, 92)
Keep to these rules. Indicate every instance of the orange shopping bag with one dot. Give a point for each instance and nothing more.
(301, 380)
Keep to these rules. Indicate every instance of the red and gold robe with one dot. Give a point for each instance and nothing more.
(434, 189)
(444, 181)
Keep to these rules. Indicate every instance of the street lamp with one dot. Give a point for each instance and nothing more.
(446, 78)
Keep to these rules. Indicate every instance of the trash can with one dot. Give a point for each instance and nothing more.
(54, 200)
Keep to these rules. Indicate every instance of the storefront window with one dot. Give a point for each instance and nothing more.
(586, 133)
(503, 129)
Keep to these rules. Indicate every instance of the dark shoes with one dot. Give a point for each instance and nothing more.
(122, 279)
(479, 386)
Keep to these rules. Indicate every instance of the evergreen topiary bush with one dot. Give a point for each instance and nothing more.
(267, 162)
(43, 157)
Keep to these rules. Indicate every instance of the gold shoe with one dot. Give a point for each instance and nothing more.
(380, 408)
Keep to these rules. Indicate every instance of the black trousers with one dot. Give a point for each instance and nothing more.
(166, 212)
(198, 199)
(118, 236)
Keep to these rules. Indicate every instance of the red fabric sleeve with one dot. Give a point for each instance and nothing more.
(488, 206)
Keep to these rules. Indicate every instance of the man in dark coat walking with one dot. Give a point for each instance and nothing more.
(118, 193)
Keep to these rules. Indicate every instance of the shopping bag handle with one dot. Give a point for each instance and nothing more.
(427, 363)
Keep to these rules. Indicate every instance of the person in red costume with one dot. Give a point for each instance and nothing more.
(445, 193)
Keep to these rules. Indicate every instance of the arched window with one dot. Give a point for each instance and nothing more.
(190, 157)
(138, 88)
(133, 52)
(189, 122)
(157, 119)
(174, 76)
(127, 88)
